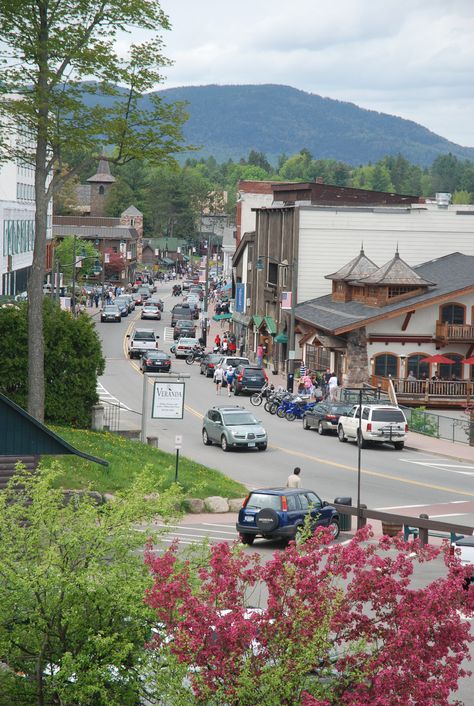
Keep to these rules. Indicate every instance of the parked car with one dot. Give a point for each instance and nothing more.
(141, 341)
(157, 301)
(249, 378)
(129, 301)
(150, 311)
(122, 305)
(184, 328)
(184, 346)
(155, 361)
(379, 424)
(324, 416)
(233, 427)
(280, 513)
(110, 312)
(145, 292)
(209, 364)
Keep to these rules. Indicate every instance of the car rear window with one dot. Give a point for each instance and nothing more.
(144, 336)
(257, 501)
(387, 415)
(251, 373)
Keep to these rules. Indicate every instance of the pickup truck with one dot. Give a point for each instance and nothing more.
(141, 340)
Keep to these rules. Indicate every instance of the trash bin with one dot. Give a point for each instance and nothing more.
(345, 521)
(289, 381)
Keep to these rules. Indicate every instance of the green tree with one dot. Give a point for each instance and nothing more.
(259, 159)
(73, 361)
(49, 49)
(85, 252)
(461, 197)
(73, 623)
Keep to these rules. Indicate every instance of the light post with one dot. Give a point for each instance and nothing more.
(73, 298)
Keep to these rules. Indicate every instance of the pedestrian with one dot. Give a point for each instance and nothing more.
(229, 376)
(232, 346)
(241, 344)
(333, 384)
(225, 345)
(259, 354)
(218, 377)
(217, 341)
(96, 299)
(294, 480)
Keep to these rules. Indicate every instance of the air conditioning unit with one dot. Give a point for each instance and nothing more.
(249, 266)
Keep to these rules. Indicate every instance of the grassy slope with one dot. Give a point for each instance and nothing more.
(126, 458)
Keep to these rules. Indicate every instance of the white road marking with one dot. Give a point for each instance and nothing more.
(402, 507)
(448, 467)
(453, 514)
(213, 524)
(106, 396)
(168, 334)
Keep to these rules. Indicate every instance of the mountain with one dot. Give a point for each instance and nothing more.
(229, 121)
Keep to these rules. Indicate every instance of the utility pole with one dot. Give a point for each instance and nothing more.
(291, 340)
(73, 297)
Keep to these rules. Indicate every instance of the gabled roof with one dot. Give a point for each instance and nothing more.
(395, 272)
(103, 175)
(356, 268)
(132, 211)
(453, 273)
(23, 435)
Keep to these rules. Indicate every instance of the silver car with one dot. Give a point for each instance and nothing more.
(232, 427)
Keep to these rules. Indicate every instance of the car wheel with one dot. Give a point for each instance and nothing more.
(267, 520)
(224, 444)
(334, 528)
(262, 447)
(321, 429)
(205, 438)
(361, 442)
(340, 434)
(247, 538)
(398, 445)
(306, 424)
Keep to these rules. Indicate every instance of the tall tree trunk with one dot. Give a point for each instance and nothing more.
(36, 385)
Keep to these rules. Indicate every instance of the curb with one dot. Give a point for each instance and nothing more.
(439, 453)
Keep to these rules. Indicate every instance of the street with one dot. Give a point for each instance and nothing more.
(408, 480)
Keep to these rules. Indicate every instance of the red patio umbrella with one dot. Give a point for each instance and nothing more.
(439, 359)
(468, 361)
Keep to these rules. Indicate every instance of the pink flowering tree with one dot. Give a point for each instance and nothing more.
(341, 624)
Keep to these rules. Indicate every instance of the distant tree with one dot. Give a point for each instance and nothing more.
(65, 200)
(381, 179)
(116, 263)
(446, 173)
(86, 254)
(460, 197)
(73, 362)
(48, 50)
(258, 159)
(73, 624)
(341, 624)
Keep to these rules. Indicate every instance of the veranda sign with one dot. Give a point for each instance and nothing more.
(168, 400)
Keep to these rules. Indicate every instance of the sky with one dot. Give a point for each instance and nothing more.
(411, 58)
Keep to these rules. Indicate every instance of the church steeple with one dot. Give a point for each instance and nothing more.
(100, 185)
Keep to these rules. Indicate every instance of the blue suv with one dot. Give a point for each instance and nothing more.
(280, 513)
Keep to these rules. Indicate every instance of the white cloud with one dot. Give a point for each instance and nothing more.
(413, 58)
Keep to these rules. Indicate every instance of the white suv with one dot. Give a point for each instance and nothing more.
(380, 423)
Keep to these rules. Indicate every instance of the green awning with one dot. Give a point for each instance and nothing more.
(270, 324)
(221, 317)
(257, 320)
(167, 261)
(281, 338)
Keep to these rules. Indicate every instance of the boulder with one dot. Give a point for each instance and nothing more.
(235, 504)
(194, 505)
(216, 504)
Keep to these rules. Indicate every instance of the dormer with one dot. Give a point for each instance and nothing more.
(360, 266)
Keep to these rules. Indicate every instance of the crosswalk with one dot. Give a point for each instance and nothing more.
(168, 334)
(195, 532)
(105, 396)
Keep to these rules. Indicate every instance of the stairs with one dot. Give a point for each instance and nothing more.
(8, 467)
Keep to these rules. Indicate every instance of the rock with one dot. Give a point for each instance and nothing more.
(74, 496)
(216, 504)
(235, 504)
(194, 505)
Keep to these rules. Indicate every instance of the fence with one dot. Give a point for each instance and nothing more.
(439, 426)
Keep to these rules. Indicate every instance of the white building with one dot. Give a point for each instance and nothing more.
(17, 225)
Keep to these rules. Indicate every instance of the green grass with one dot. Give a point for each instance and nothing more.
(126, 458)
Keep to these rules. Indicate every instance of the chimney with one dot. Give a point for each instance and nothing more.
(319, 180)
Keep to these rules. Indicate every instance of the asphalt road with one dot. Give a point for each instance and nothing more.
(409, 480)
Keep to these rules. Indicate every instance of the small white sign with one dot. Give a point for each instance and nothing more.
(291, 355)
(168, 400)
(178, 441)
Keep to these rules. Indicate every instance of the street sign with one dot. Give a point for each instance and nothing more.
(291, 355)
(178, 441)
(168, 400)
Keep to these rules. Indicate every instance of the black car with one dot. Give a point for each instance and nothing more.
(156, 361)
(209, 364)
(280, 513)
(184, 328)
(249, 378)
(111, 312)
(324, 416)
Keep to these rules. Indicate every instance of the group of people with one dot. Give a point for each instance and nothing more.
(411, 377)
(222, 374)
(323, 387)
(226, 345)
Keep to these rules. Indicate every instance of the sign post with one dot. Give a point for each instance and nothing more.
(178, 441)
(168, 398)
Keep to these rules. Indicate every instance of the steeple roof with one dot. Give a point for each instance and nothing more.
(395, 272)
(103, 175)
(356, 268)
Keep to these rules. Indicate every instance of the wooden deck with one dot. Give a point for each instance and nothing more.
(429, 393)
(454, 333)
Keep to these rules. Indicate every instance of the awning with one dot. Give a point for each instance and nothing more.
(185, 258)
(221, 317)
(269, 323)
(257, 320)
(167, 261)
(281, 338)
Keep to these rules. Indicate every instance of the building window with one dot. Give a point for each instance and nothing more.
(372, 291)
(317, 357)
(398, 291)
(272, 274)
(453, 314)
(101, 190)
(386, 365)
(447, 371)
(416, 367)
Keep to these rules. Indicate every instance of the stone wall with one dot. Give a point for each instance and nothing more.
(357, 364)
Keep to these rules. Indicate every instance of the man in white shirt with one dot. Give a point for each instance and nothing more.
(294, 480)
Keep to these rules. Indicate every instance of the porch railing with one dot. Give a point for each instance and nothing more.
(426, 389)
(454, 332)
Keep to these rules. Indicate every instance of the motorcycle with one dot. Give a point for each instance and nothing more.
(257, 398)
(196, 354)
(176, 291)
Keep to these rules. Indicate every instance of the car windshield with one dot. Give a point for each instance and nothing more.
(387, 415)
(234, 419)
(185, 323)
(186, 341)
(112, 307)
(250, 372)
(144, 336)
(257, 501)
